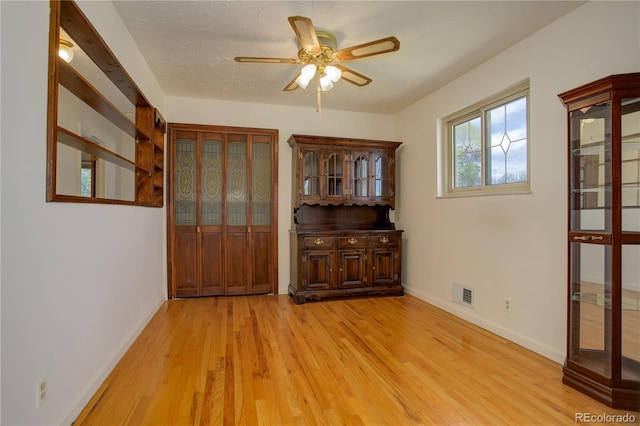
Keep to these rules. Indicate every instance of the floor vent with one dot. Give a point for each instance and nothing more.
(463, 295)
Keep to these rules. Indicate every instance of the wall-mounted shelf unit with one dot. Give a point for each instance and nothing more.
(141, 129)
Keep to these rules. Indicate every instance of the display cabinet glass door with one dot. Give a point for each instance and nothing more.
(590, 237)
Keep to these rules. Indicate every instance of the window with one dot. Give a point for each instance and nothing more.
(487, 146)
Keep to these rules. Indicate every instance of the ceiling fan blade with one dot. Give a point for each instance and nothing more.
(384, 45)
(353, 77)
(265, 60)
(291, 86)
(303, 27)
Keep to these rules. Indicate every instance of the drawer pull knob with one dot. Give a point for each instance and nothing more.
(588, 238)
(318, 241)
(352, 240)
(384, 240)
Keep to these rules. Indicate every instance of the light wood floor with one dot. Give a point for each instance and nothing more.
(371, 361)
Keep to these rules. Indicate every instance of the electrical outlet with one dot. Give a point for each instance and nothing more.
(507, 304)
(42, 391)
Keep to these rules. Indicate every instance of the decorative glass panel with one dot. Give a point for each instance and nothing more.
(311, 172)
(236, 183)
(382, 177)
(334, 175)
(361, 178)
(506, 135)
(591, 168)
(185, 182)
(211, 181)
(261, 184)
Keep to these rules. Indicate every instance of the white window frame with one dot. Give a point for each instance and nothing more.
(447, 188)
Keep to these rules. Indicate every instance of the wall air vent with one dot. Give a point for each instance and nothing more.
(463, 295)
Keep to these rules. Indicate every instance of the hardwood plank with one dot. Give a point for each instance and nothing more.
(369, 361)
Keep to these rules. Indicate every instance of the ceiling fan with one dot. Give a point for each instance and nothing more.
(319, 54)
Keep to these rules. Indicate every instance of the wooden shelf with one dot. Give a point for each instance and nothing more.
(80, 87)
(84, 145)
(82, 32)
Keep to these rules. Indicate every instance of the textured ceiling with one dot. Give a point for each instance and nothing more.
(190, 45)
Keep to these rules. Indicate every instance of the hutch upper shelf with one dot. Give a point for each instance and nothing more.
(333, 171)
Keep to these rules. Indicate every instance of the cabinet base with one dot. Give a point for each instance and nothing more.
(303, 296)
(618, 398)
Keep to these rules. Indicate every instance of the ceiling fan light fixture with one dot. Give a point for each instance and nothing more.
(65, 50)
(302, 81)
(308, 71)
(333, 72)
(325, 83)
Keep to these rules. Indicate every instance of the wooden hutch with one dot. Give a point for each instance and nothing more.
(342, 240)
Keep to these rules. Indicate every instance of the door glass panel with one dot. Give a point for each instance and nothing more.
(311, 172)
(590, 309)
(237, 180)
(211, 180)
(630, 312)
(382, 177)
(630, 126)
(334, 175)
(360, 172)
(261, 183)
(591, 168)
(185, 182)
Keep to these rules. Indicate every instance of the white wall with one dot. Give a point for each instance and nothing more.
(78, 281)
(288, 121)
(513, 245)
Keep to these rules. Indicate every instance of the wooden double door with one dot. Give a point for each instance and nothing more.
(222, 210)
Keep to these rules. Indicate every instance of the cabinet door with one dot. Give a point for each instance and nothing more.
(385, 259)
(263, 247)
(383, 176)
(318, 272)
(309, 173)
(360, 179)
(237, 239)
(352, 272)
(186, 264)
(335, 176)
(210, 213)
(385, 265)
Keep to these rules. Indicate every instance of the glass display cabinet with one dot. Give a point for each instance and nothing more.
(603, 324)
